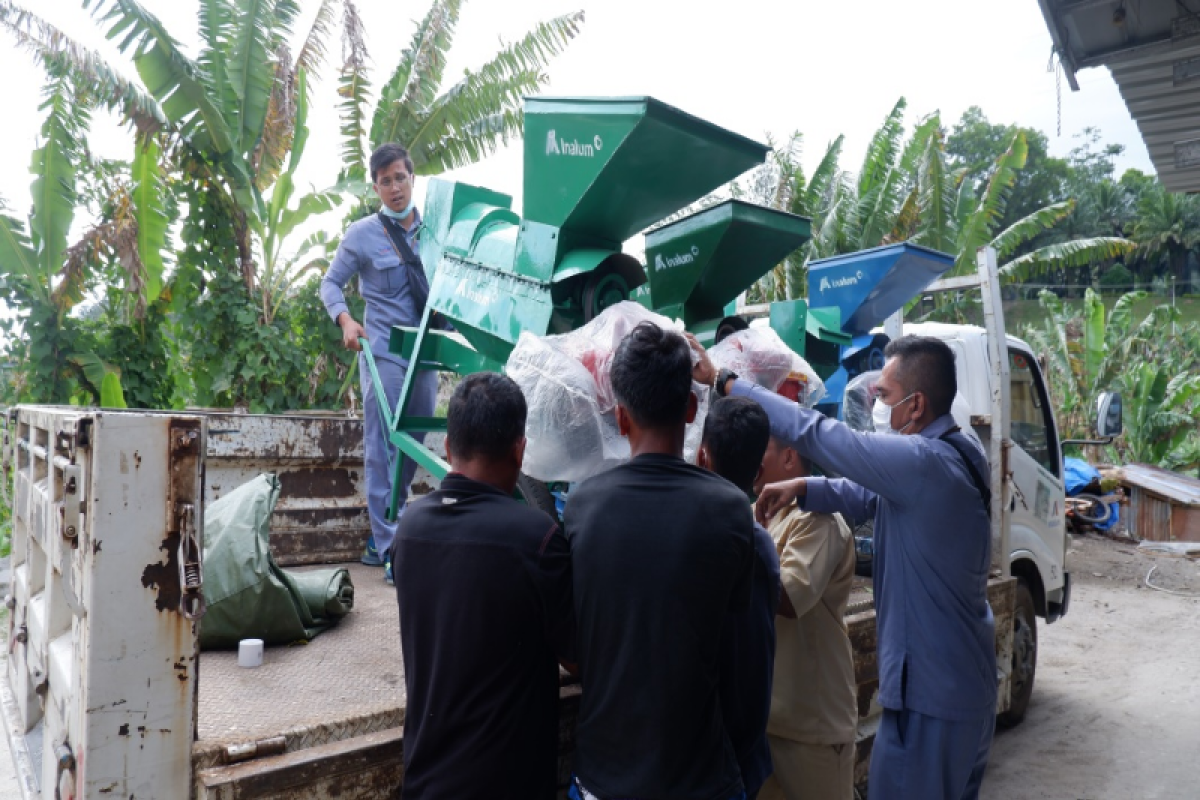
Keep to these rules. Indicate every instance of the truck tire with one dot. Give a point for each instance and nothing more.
(537, 495)
(1024, 657)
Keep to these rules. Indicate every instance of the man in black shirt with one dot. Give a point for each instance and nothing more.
(662, 551)
(736, 432)
(484, 587)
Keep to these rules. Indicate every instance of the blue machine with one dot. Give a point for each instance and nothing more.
(864, 289)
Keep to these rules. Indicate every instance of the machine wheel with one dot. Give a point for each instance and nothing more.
(1024, 657)
(603, 288)
(536, 495)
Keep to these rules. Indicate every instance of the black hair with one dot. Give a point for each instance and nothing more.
(387, 154)
(729, 326)
(652, 376)
(486, 417)
(736, 432)
(926, 366)
(805, 463)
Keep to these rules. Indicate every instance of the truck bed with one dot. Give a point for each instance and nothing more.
(352, 673)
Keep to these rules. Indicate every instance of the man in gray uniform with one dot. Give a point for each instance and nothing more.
(382, 250)
(927, 493)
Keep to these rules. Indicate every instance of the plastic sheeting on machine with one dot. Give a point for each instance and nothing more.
(759, 355)
(571, 433)
(248, 594)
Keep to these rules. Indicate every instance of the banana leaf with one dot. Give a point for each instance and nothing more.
(250, 596)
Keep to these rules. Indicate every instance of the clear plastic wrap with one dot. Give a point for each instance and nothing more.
(571, 432)
(858, 400)
(759, 355)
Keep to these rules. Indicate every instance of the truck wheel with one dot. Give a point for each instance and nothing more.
(537, 495)
(1024, 657)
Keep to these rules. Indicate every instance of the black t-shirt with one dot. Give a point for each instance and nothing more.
(748, 665)
(662, 551)
(484, 587)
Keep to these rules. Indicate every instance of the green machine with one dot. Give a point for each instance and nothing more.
(597, 171)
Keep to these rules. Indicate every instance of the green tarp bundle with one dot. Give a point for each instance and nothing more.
(248, 595)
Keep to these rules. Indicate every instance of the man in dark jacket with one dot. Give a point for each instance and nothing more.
(662, 552)
(484, 587)
(736, 432)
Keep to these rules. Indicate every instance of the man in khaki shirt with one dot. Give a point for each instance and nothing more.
(814, 708)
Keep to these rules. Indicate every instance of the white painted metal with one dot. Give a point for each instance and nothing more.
(1001, 443)
(102, 669)
(893, 326)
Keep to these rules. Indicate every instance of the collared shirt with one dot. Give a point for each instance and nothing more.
(747, 666)
(934, 627)
(814, 699)
(368, 252)
(484, 588)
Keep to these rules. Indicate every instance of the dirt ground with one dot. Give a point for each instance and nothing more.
(1116, 705)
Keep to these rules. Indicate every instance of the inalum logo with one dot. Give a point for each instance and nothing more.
(561, 147)
(840, 283)
(475, 294)
(677, 260)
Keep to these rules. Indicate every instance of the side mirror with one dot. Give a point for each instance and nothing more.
(1108, 415)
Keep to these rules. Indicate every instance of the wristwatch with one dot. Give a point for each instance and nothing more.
(724, 377)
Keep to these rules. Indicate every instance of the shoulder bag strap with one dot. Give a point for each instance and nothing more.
(418, 281)
(950, 437)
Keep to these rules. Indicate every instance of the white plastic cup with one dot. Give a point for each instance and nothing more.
(250, 653)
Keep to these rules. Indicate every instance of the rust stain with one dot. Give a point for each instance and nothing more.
(316, 482)
(164, 577)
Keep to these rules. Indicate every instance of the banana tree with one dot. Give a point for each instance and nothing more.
(43, 278)
(444, 129)
(229, 113)
(975, 218)
(280, 273)
(1161, 415)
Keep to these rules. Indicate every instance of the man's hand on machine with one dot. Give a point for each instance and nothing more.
(351, 332)
(777, 496)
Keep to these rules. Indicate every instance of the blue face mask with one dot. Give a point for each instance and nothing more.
(398, 215)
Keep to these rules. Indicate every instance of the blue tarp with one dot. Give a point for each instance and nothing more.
(1077, 476)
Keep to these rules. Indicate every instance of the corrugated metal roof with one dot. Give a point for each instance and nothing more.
(1170, 485)
(1152, 48)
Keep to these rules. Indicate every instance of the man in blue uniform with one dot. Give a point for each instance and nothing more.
(382, 250)
(927, 494)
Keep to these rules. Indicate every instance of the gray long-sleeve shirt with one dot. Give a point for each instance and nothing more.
(935, 630)
(368, 252)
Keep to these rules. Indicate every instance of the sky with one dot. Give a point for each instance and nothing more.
(757, 67)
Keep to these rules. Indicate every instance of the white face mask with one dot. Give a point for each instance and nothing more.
(881, 415)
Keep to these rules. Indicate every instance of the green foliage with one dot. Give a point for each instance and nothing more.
(975, 145)
(1158, 375)
(111, 395)
(1117, 277)
(446, 130)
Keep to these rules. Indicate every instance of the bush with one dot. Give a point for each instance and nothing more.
(1116, 279)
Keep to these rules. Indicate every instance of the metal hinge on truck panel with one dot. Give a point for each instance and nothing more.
(64, 760)
(184, 450)
(191, 581)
